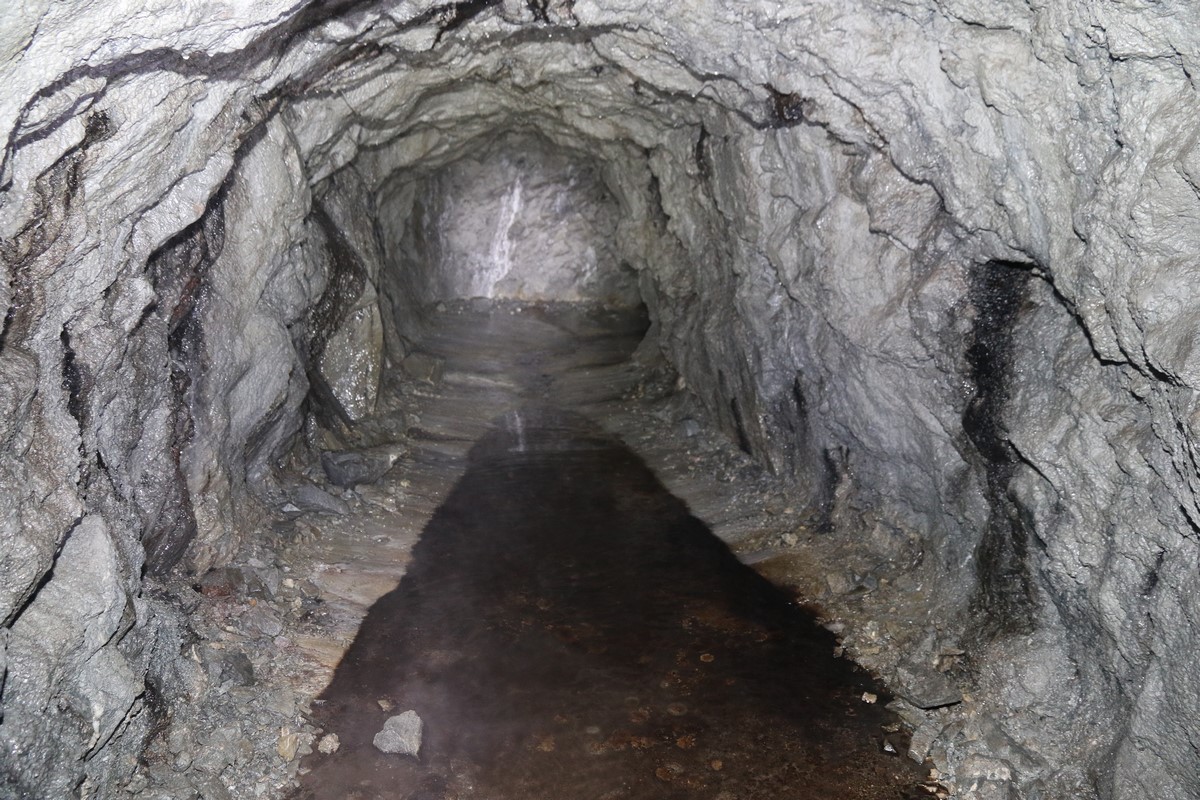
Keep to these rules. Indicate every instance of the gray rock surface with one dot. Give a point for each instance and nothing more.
(401, 734)
(810, 195)
(925, 687)
(308, 497)
(349, 468)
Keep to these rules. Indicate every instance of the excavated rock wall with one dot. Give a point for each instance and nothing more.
(518, 220)
(931, 259)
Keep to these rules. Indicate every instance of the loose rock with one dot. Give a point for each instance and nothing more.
(401, 734)
(349, 468)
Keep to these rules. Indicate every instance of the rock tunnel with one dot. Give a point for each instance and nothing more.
(924, 270)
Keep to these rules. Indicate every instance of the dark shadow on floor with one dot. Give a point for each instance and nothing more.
(567, 630)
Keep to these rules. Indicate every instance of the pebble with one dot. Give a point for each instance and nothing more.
(329, 743)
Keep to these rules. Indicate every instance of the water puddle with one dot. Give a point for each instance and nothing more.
(567, 629)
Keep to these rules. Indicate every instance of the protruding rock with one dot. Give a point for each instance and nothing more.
(313, 498)
(348, 468)
(925, 687)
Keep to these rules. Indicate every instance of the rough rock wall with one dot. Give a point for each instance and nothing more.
(519, 220)
(812, 195)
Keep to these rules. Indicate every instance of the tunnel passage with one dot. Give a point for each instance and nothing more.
(567, 628)
(202, 217)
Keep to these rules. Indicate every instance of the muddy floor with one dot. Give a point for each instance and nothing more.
(541, 569)
(567, 628)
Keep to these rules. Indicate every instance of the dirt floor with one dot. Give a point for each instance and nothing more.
(578, 654)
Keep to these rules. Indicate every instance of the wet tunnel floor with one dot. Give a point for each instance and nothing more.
(566, 628)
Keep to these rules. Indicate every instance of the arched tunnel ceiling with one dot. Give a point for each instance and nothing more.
(970, 100)
(832, 205)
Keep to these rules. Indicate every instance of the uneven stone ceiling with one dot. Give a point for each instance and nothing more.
(934, 260)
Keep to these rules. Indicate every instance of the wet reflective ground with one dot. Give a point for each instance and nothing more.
(566, 629)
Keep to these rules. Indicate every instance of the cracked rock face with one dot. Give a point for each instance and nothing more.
(930, 262)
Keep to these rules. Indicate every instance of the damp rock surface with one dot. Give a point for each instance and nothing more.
(211, 230)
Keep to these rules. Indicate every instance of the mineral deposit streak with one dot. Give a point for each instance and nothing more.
(568, 629)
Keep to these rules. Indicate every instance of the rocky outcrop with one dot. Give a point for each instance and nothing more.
(828, 207)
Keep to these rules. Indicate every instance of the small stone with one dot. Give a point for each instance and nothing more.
(401, 734)
(288, 744)
(838, 583)
(237, 668)
(385, 704)
(329, 743)
(868, 697)
(263, 621)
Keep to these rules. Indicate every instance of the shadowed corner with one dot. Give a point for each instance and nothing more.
(568, 629)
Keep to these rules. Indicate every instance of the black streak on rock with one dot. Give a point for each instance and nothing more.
(701, 155)
(177, 271)
(1005, 594)
(740, 427)
(73, 381)
(347, 279)
(539, 9)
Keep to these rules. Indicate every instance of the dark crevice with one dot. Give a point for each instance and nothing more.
(1154, 575)
(8, 318)
(834, 463)
(74, 381)
(701, 154)
(799, 400)
(1004, 598)
(455, 15)
(539, 9)
(739, 425)
(347, 280)
(785, 109)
